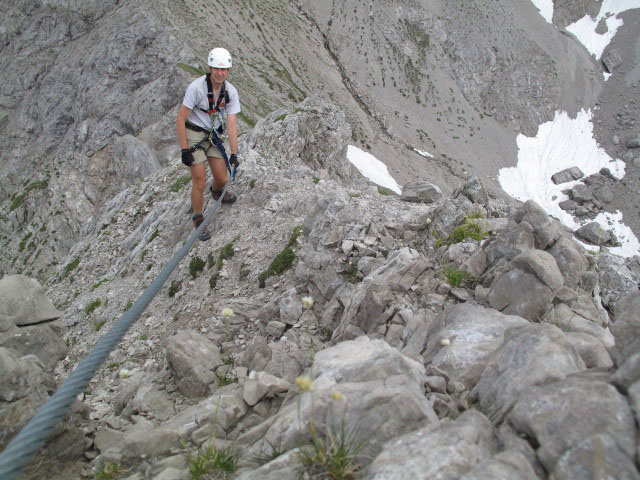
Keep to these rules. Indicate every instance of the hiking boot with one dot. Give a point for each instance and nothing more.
(197, 220)
(228, 198)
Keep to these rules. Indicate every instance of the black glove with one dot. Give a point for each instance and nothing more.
(233, 160)
(187, 157)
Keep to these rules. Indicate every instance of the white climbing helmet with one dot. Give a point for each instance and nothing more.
(219, 58)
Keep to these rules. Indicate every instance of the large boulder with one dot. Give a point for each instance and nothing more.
(461, 339)
(571, 260)
(193, 359)
(23, 302)
(626, 326)
(383, 397)
(560, 415)
(533, 354)
(40, 340)
(446, 452)
(616, 280)
(524, 288)
(421, 192)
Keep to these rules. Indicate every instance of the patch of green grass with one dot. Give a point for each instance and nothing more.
(71, 267)
(459, 278)
(98, 325)
(212, 460)
(225, 253)
(210, 261)
(281, 117)
(246, 119)
(195, 71)
(282, 260)
(111, 366)
(179, 183)
(469, 229)
(108, 471)
(143, 337)
(127, 306)
(173, 288)
(332, 455)
(225, 379)
(196, 265)
(18, 200)
(153, 236)
(316, 180)
(252, 183)
(385, 191)
(96, 285)
(23, 242)
(213, 280)
(92, 306)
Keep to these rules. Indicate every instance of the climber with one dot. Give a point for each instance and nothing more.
(209, 109)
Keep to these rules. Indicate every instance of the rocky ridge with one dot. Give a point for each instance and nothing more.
(450, 354)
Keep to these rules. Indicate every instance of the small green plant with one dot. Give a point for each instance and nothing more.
(210, 261)
(71, 267)
(316, 180)
(213, 280)
(281, 117)
(173, 288)
(225, 378)
(352, 274)
(264, 458)
(196, 265)
(459, 278)
(19, 199)
(108, 471)
(154, 235)
(225, 253)
(282, 260)
(212, 460)
(127, 306)
(469, 229)
(181, 182)
(252, 183)
(385, 191)
(96, 285)
(143, 337)
(111, 366)
(195, 71)
(331, 454)
(92, 306)
(98, 325)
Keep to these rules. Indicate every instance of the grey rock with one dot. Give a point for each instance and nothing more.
(593, 233)
(548, 414)
(448, 451)
(616, 279)
(290, 307)
(611, 60)
(517, 292)
(261, 384)
(591, 350)
(567, 175)
(475, 191)
(579, 462)
(193, 359)
(581, 193)
(628, 373)
(503, 466)
(633, 143)
(568, 205)
(530, 355)
(421, 192)
(626, 326)
(542, 264)
(569, 321)
(570, 259)
(39, 340)
(23, 301)
(511, 241)
(275, 328)
(473, 333)
(603, 194)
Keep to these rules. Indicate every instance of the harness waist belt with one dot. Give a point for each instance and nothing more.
(195, 128)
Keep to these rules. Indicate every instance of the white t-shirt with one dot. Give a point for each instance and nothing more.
(195, 98)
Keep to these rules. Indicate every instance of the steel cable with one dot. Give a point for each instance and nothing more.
(23, 447)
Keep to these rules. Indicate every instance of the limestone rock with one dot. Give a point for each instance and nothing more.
(420, 192)
(23, 300)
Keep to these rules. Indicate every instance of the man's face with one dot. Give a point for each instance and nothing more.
(219, 75)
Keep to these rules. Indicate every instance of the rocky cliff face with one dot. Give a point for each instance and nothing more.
(444, 330)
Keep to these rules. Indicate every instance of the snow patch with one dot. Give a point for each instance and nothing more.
(546, 8)
(585, 28)
(372, 168)
(562, 143)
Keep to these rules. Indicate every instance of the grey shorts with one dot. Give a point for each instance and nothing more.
(199, 155)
